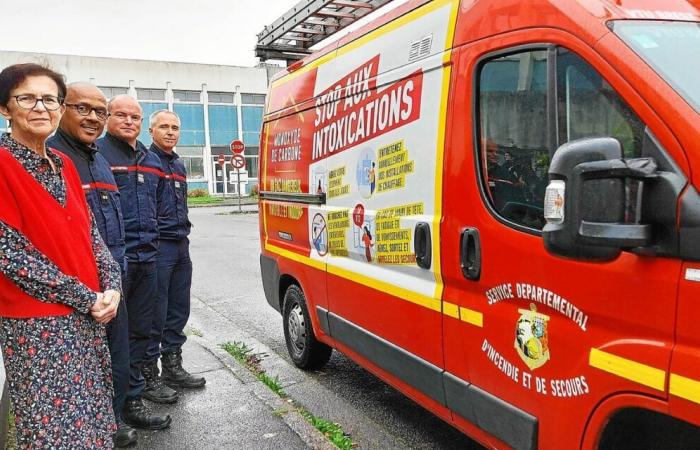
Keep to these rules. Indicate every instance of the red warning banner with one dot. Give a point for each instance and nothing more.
(353, 111)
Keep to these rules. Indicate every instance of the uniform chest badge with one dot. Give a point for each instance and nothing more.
(531, 340)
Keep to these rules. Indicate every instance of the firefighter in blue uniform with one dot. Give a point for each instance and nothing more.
(174, 265)
(81, 125)
(139, 177)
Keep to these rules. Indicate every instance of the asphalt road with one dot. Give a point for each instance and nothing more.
(229, 304)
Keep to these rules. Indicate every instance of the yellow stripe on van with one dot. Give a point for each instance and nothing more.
(685, 388)
(440, 151)
(450, 309)
(264, 167)
(472, 317)
(382, 30)
(628, 369)
(316, 264)
(414, 297)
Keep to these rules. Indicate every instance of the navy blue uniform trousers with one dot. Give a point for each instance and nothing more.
(139, 289)
(118, 340)
(172, 309)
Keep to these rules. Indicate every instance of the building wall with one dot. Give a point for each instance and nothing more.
(216, 104)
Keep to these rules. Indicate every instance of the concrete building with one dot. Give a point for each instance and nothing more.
(216, 105)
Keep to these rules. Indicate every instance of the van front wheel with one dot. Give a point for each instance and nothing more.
(306, 352)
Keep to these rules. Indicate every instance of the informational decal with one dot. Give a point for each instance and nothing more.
(364, 127)
(286, 146)
(393, 166)
(366, 173)
(336, 186)
(353, 111)
(534, 340)
(319, 234)
(393, 241)
(285, 211)
(338, 224)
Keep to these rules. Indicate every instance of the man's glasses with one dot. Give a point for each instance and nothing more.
(85, 110)
(123, 117)
(29, 101)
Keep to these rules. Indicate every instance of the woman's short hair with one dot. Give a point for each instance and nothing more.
(12, 76)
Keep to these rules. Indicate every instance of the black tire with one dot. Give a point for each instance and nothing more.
(306, 352)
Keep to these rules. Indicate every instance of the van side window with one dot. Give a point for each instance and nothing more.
(589, 107)
(516, 139)
(514, 135)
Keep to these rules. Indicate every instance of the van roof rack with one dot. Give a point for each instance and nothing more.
(290, 37)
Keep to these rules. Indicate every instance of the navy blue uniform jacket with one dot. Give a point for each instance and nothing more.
(173, 222)
(100, 189)
(140, 179)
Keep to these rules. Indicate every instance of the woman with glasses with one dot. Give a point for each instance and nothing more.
(58, 282)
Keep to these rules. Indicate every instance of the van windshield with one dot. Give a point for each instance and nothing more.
(671, 48)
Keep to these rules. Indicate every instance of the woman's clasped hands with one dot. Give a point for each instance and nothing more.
(105, 307)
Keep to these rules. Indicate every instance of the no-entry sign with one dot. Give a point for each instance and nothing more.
(238, 161)
(237, 147)
(221, 160)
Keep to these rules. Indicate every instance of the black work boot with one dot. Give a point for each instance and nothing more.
(175, 376)
(138, 415)
(124, 436)
(155, 390)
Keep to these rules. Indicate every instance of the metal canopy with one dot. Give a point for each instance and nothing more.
(307, 23)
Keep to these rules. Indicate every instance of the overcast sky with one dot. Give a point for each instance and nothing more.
(203, 31)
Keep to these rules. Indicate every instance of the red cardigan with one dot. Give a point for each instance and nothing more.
(61, 233)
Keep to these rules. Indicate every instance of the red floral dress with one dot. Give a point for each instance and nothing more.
(58, 368)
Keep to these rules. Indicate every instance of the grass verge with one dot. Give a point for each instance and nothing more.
(11, 443)
(333, 431)
(205, 200)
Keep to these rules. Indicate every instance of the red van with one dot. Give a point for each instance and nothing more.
(492, 206)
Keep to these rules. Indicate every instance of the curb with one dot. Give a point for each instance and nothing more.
(282, 408)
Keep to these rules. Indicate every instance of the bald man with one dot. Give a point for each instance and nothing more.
(80, 126)
(139, 177)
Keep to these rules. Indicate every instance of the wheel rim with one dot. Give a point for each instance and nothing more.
(297, 330)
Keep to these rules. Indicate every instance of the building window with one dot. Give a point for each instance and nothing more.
(187, 96)
(193, 159)
(112, 91)
(223, 124)
(150, 94)
(148, 108)
(251, 161)
(191, 124)
(253, 99)
(252, 124)
(220, 97)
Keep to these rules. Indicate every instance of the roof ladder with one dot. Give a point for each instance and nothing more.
(290, 37)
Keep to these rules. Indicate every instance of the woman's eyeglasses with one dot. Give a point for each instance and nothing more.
(29, 101)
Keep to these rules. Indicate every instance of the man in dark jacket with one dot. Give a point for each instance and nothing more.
(174, 264)
(80, 126)
(139, 176)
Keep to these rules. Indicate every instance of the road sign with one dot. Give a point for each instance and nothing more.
(221, 160)
(242, 174)
(237, 147)
(238, 161)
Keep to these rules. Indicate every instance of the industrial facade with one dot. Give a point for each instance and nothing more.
(216, 105)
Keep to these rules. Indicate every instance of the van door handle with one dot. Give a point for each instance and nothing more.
(470, 254)
(423, 245)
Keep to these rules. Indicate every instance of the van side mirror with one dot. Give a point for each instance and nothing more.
(594, 199)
